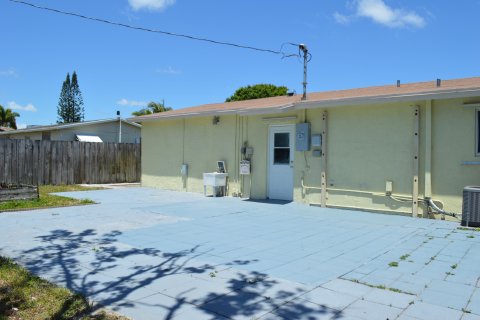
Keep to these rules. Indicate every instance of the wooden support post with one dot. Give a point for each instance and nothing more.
(416, 147)
(323, 193)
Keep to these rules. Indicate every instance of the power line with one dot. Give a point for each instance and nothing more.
(119, 24)
(302, 49)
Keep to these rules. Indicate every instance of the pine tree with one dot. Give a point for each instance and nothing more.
(63, 102)
(77, 99)
(70, 105)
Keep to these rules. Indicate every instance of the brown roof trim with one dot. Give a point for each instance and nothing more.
(466, 87)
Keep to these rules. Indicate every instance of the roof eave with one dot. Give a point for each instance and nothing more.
(409, 97)
(243, 112)
(309, 104)
(183, 115)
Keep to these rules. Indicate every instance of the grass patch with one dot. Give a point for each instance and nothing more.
(454, 266)
(404, 257)
(469, 229)
(380, 286)
(47, 200)
(25, 296)
(393, 264)
(431, 259)
(470, 236)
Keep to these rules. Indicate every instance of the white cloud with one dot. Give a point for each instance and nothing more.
(21, 125)
(131, 103)
(15, 106)
(169, 70)
(150, 4)
(381, 13)
(341, 19)
(9, 73)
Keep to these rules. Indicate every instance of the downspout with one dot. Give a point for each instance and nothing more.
(185, 174)
(236, 158)
(428, 149)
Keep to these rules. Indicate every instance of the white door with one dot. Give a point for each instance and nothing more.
(280, 162)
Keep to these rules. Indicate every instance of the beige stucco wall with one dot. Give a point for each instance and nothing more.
(453, 142)
(367, 145)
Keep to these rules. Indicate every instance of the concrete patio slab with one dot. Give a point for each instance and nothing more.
(154, 254)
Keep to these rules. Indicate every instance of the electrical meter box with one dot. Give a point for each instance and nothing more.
(244, 167)
(184, 169)
(302, 141)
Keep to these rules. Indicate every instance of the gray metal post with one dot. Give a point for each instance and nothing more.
(305, 62)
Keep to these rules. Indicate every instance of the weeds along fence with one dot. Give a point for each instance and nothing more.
(35, 162)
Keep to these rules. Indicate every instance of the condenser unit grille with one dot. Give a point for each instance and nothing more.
(471, 207)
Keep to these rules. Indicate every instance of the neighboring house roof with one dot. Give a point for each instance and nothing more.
(6, 129)
(467, 87)
(61, 126)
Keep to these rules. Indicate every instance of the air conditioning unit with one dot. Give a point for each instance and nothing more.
(471, 206)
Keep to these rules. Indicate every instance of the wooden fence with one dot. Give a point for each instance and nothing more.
(68, 162)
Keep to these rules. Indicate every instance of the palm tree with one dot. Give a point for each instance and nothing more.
(153, 107)
(7, 118)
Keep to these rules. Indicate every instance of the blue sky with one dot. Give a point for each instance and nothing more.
(354, 43)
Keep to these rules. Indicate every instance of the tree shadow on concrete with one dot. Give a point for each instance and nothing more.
(123, 278)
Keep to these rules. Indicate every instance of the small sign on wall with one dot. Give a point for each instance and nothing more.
(244, 167)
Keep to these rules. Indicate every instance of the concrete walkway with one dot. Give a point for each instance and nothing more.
(152, 254)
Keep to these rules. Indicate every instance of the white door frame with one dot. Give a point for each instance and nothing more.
(289, 128)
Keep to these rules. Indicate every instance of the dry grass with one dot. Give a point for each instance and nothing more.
(25, 296)
(47, 200)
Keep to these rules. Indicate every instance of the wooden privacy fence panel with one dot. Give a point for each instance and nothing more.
(35, 162)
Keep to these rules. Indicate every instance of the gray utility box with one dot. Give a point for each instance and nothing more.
(471, 206)
(302, 137)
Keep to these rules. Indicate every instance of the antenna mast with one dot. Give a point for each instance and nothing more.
(304, 49)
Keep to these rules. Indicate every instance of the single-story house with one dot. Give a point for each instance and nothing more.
(108, 130)
(385, 148)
